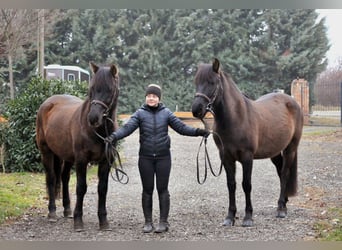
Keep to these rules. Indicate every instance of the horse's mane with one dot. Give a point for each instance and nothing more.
(102, 76)
(205, 73)
(231, 81)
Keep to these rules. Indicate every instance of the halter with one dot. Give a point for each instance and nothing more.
(110, 150)
(102, 104)
(105, 113)
(210, 100)
(112, 153)
(207, 162)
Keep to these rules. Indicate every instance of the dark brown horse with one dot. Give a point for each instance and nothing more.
(66, 130)
(269, 127)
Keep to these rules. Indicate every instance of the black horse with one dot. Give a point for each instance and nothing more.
(68, 132)
(269, 127)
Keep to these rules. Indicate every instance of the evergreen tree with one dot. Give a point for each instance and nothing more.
(261, 49)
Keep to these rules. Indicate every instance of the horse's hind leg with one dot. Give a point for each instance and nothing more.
(65, 181)
(48, 160)
(103, 173)
(288, 179)
(278, 162)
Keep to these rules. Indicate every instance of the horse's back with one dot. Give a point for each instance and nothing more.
(62, 103)
(280, 121)
(53, 123)
(278, 105)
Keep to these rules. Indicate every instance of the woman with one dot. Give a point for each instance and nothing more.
(153, 120)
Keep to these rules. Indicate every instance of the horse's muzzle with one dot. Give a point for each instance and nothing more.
(198, 108)
(95, 120)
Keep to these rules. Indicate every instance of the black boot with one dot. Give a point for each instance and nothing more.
(147, 209)
(164, 206)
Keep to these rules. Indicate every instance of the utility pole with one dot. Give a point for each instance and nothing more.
(40, 49)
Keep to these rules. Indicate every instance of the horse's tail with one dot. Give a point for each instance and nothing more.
(291, 186)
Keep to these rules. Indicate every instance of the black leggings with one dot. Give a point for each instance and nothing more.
(161, 167)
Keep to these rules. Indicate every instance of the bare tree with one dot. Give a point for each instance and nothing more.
(327, 88)
(16, 31)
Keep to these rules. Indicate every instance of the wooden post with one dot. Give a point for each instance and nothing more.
(300, 92)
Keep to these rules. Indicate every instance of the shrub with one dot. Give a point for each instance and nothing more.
(18, 135)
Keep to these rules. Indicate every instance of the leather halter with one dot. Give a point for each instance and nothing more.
(101, 103)
(105, 113)
(210, 100)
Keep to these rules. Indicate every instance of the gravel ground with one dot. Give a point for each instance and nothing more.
(197, 211)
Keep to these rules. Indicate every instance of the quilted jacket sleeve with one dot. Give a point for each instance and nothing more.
(180, 127)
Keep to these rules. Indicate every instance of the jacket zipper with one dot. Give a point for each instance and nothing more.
(154, 133)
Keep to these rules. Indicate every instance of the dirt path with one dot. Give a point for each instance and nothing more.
(197, 211)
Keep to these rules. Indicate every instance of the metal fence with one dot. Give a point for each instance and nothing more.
(327, 107)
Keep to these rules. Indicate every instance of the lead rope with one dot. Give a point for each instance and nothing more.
(111, 154)
(207, 162)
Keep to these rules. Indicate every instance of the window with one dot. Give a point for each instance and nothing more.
(71, 77)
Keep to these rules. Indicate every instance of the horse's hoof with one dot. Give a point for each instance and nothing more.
(52, 220)
(105, 227)
(67, 213)
(79, 229)
(78, 226)
(247, 223)
(228, 222)
(281, 214)
(52, 217)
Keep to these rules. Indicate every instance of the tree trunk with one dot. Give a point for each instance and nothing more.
(10, 72)
(41, 42)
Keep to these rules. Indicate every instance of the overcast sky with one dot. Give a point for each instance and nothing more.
(334, 25)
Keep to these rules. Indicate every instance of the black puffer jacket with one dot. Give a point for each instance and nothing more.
(153, 126)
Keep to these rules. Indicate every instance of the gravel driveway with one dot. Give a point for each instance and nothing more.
(197, 211)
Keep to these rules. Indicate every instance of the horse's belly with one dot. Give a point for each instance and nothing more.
(268, 152)
(271, 146)
(60, 143)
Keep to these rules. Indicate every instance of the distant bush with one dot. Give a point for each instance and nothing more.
(18, 135)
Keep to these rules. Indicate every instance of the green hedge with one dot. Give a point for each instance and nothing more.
(18, 135)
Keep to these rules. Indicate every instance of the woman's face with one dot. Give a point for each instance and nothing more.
(152, 100)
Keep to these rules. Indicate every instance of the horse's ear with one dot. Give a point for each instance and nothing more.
(93, 67)
(216, 65)
(114, 70)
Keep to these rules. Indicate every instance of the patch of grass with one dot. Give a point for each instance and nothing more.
(21, 191)
(317, 131)
(330, 229)
(325, 121)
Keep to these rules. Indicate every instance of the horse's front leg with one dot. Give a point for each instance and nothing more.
(81, 189)
(102, 188)
(247, 166)
(230, 168)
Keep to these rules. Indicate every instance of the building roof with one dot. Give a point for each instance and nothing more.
(67, 67)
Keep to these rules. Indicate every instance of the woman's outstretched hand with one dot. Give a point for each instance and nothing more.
(203, 132)
(110, 139)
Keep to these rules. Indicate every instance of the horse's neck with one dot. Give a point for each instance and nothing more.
(232, 106)
(83, 114)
